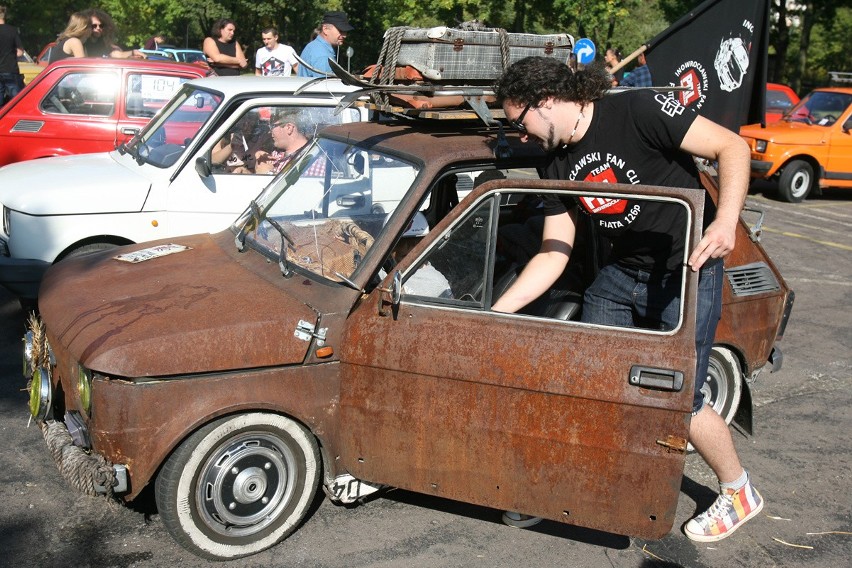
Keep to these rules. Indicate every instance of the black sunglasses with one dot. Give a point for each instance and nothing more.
(518, 123)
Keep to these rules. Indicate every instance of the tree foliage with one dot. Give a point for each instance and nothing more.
(807, 38)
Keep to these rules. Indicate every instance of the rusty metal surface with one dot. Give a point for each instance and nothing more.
(530, 416)
(190, 312)
(750, 324)
(139, 425)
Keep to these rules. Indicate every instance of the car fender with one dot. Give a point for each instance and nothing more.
(74, 185)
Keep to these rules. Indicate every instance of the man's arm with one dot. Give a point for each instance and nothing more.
(706, 139)
(545, 267)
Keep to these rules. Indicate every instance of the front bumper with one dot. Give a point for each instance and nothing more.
(22, 276)
(760, 168)
(86, 471)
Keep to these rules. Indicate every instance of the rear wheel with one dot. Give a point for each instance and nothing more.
(238, 485)
(796, 181)
(724, 386)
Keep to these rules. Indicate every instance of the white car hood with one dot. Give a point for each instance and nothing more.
(81, 184)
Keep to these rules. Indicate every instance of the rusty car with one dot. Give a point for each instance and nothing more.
(236, 373)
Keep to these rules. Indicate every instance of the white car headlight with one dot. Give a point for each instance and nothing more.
(760, 146)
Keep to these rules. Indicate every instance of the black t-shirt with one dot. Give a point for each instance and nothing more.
(10, 43)
(633, 138)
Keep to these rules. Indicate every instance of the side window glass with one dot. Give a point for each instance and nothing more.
(91, 94)
(264, 140)
(483, 255)
(455, 267)
(148, 93)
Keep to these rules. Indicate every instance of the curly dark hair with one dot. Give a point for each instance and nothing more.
(216, 28)
(535, 79)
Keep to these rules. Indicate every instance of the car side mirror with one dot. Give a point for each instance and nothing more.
(391, 296)
(202, 166)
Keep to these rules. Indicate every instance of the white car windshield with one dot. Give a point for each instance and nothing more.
(166, 137)
(327, 206)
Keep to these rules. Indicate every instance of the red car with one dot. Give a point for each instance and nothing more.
(779, 99)
(79, 106)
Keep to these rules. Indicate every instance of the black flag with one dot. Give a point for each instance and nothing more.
(718, 52)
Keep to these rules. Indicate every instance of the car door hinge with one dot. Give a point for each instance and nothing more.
(305, 330)
(673, 444)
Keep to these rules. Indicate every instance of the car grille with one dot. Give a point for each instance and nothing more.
(752, 279)
(28, 126)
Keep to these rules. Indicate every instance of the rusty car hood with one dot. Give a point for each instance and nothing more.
(196, 311)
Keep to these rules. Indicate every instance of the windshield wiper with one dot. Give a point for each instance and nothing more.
(254, 216)
(282, 256)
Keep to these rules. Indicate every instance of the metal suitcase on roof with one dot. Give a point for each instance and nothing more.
(449, 54)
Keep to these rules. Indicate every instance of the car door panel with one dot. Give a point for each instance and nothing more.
(517, 412)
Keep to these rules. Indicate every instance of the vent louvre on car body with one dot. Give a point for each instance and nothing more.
(27, 126)
(752, 279)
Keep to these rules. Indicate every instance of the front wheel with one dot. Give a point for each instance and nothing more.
(724, 386)
(239, 485)
(796, 181)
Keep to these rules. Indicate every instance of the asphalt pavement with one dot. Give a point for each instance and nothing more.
(799, 458)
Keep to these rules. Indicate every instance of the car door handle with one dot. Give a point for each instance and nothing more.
(659, 379)
(127, 131)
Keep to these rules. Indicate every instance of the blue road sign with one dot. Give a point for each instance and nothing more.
(585, 51)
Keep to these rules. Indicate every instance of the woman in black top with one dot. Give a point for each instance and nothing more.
(224, 53)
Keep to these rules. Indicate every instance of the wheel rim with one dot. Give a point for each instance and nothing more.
(715, 389)
(245, 484)
(800, 183)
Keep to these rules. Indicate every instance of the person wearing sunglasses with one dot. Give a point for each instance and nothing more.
(637, 137)
(101, 41)
(289, 140)
(70, 42)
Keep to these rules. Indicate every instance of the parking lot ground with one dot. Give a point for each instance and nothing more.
(799, 457)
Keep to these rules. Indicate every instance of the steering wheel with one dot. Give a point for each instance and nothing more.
(829, 119)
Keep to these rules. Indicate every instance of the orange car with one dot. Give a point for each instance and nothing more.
(809, 148)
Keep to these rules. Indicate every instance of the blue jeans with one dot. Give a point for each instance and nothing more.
(9, 86)
(628, 297)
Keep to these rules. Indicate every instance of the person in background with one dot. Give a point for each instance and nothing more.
(71, 41)
(154, 42)
(640, 76)
(332, 34)
(274, 59)
(224, 53)
(655, 140)
(101, 42)
(10, 49)
(613, 58)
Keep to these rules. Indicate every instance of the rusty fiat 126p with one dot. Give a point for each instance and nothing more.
(340, 335)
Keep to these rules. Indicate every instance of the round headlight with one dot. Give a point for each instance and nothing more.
(40, 394)
(28, 354)
(84, 388)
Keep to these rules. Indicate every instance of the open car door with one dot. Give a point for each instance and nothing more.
(537, 413)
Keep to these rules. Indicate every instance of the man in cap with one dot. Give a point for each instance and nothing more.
(330, 35)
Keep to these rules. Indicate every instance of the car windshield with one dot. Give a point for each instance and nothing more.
(822, 108)
(162, 142)
(326, 206)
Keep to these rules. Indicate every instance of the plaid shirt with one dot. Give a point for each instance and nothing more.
(639, 77)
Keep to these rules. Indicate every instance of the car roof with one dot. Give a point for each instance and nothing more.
(434, 141)
(247, 84)
(842, 90)
(127, 63)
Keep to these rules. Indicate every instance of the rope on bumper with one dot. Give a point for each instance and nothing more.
(80, 468)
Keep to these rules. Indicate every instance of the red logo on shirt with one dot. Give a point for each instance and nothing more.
(605, 176)
(693, 84)
(604, 205)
